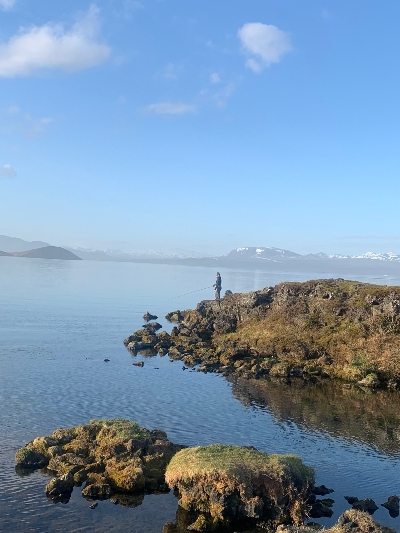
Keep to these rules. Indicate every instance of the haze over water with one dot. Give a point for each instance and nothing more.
(59, 320)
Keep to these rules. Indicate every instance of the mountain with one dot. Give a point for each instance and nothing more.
(269, 254)
(48, 252)
(279, 255)
(148, 255)
(4, 253)
(13, 244)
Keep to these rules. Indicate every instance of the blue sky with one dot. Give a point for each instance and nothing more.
(202, 125)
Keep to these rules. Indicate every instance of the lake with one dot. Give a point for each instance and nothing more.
(59, 320)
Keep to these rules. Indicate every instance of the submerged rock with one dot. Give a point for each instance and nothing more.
(222, 484)
(392, 505)
(366, 505)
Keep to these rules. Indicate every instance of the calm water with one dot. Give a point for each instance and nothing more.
(60, 319)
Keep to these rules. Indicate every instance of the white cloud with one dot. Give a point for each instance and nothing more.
(7, 171)
(264, 43)
(215, 78)
(51, 46)
(170, 108)
(6, 5)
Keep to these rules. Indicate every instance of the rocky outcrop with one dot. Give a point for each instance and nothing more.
(317, 329)
(223, 484)
(106, 456)
(349, 522)
(148, 316)
(392, 505)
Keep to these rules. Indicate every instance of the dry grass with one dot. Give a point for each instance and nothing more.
(356, 325)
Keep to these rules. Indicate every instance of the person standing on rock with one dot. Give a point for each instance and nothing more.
(217, 286)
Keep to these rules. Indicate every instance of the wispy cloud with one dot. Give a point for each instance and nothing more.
(170, 108)
(7, 171)
(265, 44)
(52, 47)
(6, 5)
(215, 78)
(172, 71)
(24, 124)
(130, 7)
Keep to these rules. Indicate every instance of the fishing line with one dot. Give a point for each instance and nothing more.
(186, 293)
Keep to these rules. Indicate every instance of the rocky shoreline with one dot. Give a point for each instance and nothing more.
(314, 330)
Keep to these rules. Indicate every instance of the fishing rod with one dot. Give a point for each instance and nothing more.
(186, 293)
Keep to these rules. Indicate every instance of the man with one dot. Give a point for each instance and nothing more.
(217, 286)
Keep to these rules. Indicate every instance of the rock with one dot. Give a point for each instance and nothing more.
(226, 483)
(60, 486)
(138, 363)
(351, 499)
(109, 456)
(175, 316)
(322, 508)
(392, 505)
(353, 521)
(106, 360)
(29, 458)
(366, 505)
(322, 490)
(148, 316)
(153, 327)
(350, 521)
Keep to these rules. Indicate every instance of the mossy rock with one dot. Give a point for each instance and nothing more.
(232, 482)
(126, 476)
(29, 458)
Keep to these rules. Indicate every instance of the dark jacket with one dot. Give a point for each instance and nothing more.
(217, 284)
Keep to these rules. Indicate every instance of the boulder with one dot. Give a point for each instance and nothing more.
(60, 487)
(392, 505)
(366, 505)
(223, 484)
(148, 316)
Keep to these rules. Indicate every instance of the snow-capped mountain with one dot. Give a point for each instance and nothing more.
(266, 253)
(279, 254)
(390, 256)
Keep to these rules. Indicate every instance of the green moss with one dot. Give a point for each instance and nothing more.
(235, 461)
(123, 428)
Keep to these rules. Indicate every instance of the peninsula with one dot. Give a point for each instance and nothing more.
(328, 328)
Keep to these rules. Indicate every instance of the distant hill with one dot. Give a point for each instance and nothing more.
(4, 253)
(13, 244)
(48, 252)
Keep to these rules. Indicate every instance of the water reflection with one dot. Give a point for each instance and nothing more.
(370, 418)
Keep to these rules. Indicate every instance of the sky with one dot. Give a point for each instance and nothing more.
(200, 124)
